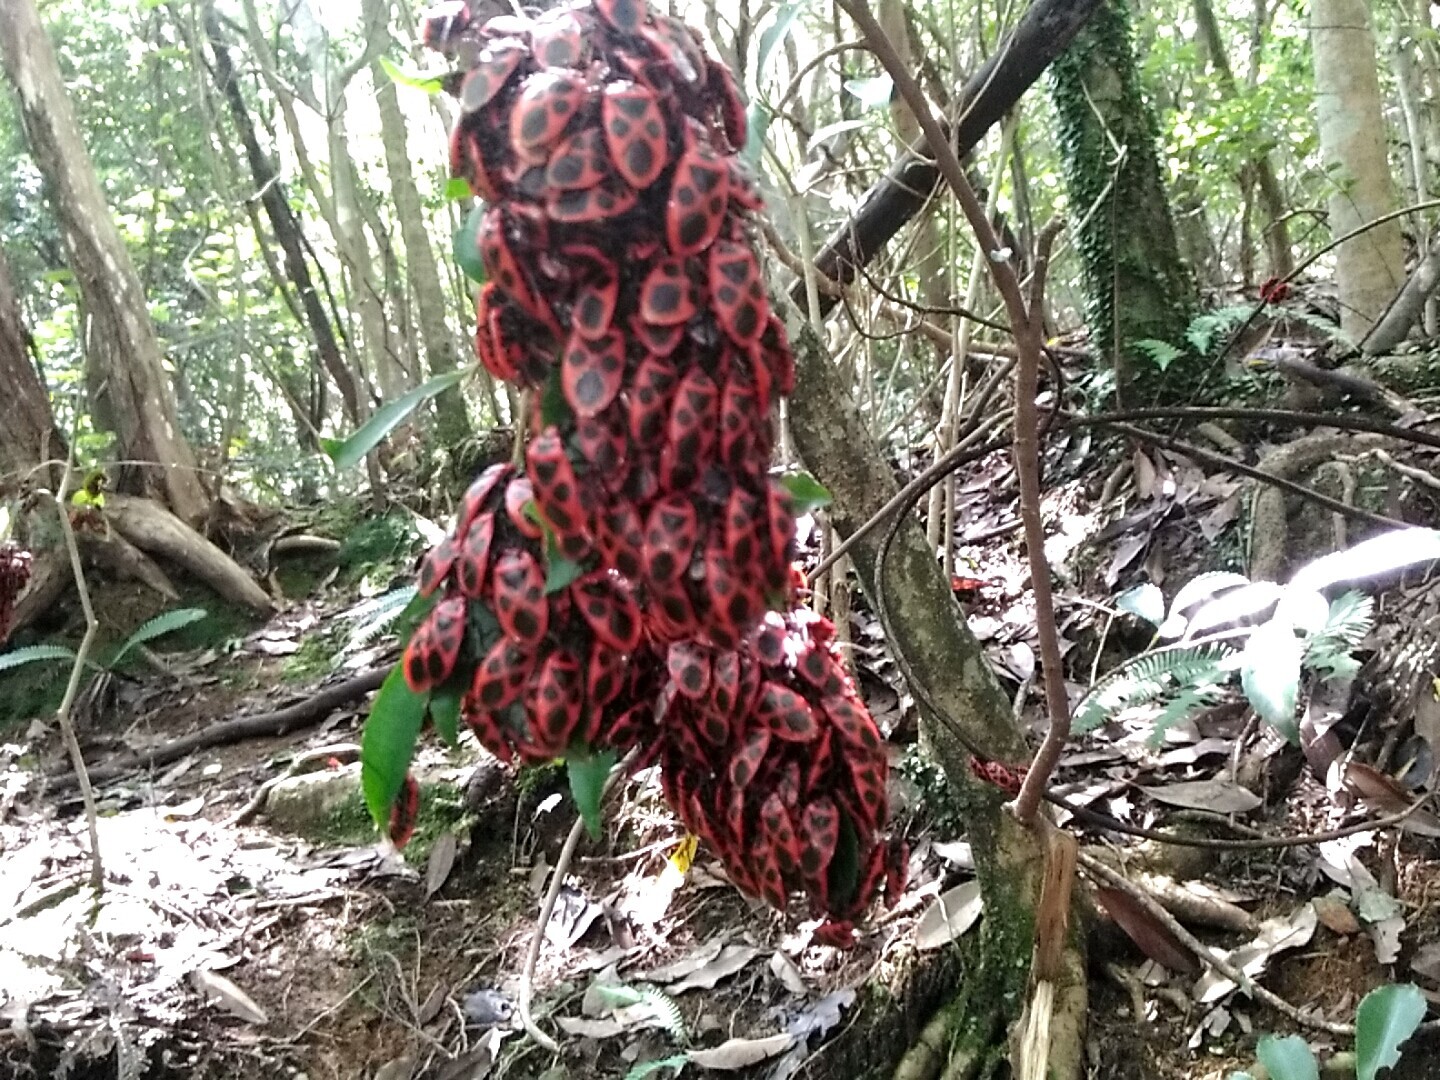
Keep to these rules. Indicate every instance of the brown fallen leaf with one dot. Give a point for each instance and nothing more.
(228, 996)
(1153, 937)
(1215, 794)
(1334, 912)
(1385, 795)
(736, 1054)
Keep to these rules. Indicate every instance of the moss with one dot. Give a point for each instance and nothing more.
(315, 657)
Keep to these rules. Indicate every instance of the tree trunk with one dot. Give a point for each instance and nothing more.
(1136, 285)
(1277, 232)
(931, 633)
(1369, 268)
(441, 350)
(28, 436)
(284, 222)
(130, 390)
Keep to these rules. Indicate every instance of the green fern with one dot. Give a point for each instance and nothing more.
(1206, 331)
(1146, 678)
(377, 615)
(1160, 353)
(162, 624)
(661, 1003)
(31, 653)
(1352, 615)
(645, 1068)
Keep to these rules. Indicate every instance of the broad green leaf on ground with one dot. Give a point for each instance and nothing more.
(388, 743)
(588, 770)
(1270, 675)
(1145, 601)
(1386, 1018)
(1288, 1058)
(350, 452)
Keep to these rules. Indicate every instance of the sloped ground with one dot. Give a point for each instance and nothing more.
(287, 944)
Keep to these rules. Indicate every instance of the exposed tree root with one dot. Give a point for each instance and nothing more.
(303, 713)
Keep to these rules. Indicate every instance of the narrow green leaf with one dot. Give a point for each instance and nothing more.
(588, 770)
(385, 419)
(1270, 675)
(1287, 1059)
(30, 653)
(646, 1068)
(159, 626)
(757, 124)
(466, 246)
(445, 713)
(1386, 1017)
(774, 35)
(806, 492)
(388, 743)
(427, 83)
(457, 188)
(560, 572)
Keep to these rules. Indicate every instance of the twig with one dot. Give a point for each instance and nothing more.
(92, 626)
(557, 879)
(1285, 417)
(1207, 955)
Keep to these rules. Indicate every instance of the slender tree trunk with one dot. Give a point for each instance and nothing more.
(28, 436)
(1277, 230)
(130, 390)
(1369, 269)
(441, 349)
(283, 221)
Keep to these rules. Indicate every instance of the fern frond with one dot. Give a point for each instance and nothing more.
(30, 653)
(164, 623)
(645, 1068)
(1146, 678)
(378, 615)
(668, 1012)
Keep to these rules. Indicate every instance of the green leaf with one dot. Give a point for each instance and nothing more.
(1145, 601)
(588, 770)
(806, 493)
(467, 247)
(554, 409)
(1270, 675)
(560, 571)
(352, 451)
(445, 713)
(646, 1068)
(1386, 1018)
(457, 188)
(30, 653)
(872, 93)
(1287, 1059)
(388, 743)
(160, 626)
(427, 83)
(757, 124)
(844, 870)
(775, 34)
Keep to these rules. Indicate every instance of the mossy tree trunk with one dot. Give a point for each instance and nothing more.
(929, 629)
(1137, 287)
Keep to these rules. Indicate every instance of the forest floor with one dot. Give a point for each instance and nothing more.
(289, 944)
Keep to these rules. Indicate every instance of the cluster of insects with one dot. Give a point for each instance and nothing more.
(623, 287)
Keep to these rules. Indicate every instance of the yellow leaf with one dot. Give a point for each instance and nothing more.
(684, 855)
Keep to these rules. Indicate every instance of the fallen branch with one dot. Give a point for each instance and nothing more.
(280, 722)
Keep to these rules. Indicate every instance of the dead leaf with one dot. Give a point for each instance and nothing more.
(1385, 795)
(949, 917)
(1276, 935)
(1219, 795)
(401, 1068)
(1333, 910)
(788, 972)
(736, 1054)
(1149, 933)
(228, 996)
(731, 958)
(1386, 936)
(678, 969)
(440, 862)
(1426, 961)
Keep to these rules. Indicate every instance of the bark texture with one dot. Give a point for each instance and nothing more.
(130, 391)
(28, 435)
(1369, 268)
